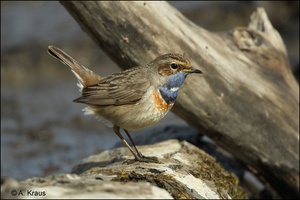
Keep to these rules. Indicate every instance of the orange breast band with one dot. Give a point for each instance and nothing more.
(160, 103)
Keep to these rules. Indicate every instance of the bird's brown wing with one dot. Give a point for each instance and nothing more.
(122, 88)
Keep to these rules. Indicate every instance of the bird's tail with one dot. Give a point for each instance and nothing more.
(85, 76)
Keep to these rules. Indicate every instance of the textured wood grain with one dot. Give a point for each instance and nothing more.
(247, 99)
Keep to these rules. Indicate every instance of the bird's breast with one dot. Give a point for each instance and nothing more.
(160, 103)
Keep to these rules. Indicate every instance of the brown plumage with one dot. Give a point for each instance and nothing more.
(132, 99)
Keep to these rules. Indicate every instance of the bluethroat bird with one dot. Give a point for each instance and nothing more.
(134, 98)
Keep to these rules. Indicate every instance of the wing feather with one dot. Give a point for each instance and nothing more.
(126, 87)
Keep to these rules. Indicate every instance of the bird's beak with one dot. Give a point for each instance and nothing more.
(192, 70)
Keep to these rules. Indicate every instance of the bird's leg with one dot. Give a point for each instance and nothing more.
(133, 144)
(117, 131)
(141, 157)
(137, 155)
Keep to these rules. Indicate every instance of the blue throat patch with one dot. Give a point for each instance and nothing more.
(169, 91)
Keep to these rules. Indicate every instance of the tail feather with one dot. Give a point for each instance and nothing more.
(85, 76)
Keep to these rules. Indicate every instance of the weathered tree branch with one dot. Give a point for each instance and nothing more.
(247, 100)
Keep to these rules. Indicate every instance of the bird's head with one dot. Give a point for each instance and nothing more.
(172, 69)
(170, 64)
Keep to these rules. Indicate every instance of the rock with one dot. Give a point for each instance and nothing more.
(74, 186)
(184, 171)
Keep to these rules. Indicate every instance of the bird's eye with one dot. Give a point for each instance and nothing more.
(174, 66)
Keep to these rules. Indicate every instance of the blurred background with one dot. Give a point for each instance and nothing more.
(42, 131)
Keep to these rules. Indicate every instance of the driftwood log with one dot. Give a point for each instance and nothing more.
(247, 99)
